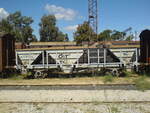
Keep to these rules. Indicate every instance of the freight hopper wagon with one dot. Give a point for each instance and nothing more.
(67, 59)
(145, 50)
(7, 52)
(128, 52)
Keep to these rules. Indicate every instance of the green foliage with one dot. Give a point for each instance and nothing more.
(147, 74)
(49, 31)
(14, 76)
(108, 78)
(114, 110)
(116, 35)
(66, 38)
(126, 73)
(109, 35)
(142, 84)
(66, 111)
(5, 26)
(61, 37)
(130, 37)
(105, 35)
(19, 26)
(84, 33)
(27, 75)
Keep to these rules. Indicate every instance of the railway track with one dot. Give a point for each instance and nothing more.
(70, 87)
(76, 94)
(119, 102)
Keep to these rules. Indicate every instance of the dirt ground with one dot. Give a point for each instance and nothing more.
(66, 81)
(75, 108)
(94, 107)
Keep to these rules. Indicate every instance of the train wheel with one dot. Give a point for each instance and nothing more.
(38, 74)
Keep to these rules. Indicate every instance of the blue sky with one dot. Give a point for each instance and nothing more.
(113, 14)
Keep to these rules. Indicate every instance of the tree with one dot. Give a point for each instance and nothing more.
(116, 35)
(27, 34)
(66, 38)
(109, 35)
(61, 37)
(19, 26)
(48, 29)
(5, 26)
(84, 33)
(105, 35)
(130, 37)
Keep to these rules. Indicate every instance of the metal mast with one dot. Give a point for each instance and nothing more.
(93, 14)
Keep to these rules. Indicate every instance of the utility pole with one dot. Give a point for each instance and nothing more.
(93, 23)
(93, 15)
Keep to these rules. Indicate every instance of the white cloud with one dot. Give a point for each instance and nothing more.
(61, 13)
(3, 13)
(71, 28)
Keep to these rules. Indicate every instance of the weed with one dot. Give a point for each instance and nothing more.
(114, 110)
(96, 102)
(26, 75)
(16, 76)
(142, 84)
(128, 73)
(108, 78)
(92, 111)
(146, 74)
(66, 111)
(39, 108)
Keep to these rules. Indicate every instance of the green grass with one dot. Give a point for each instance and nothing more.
(146, 74)
(142, 83)
(114, 110)
(15, 77)
(66, 111)
(128, 73)
(108, 78)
